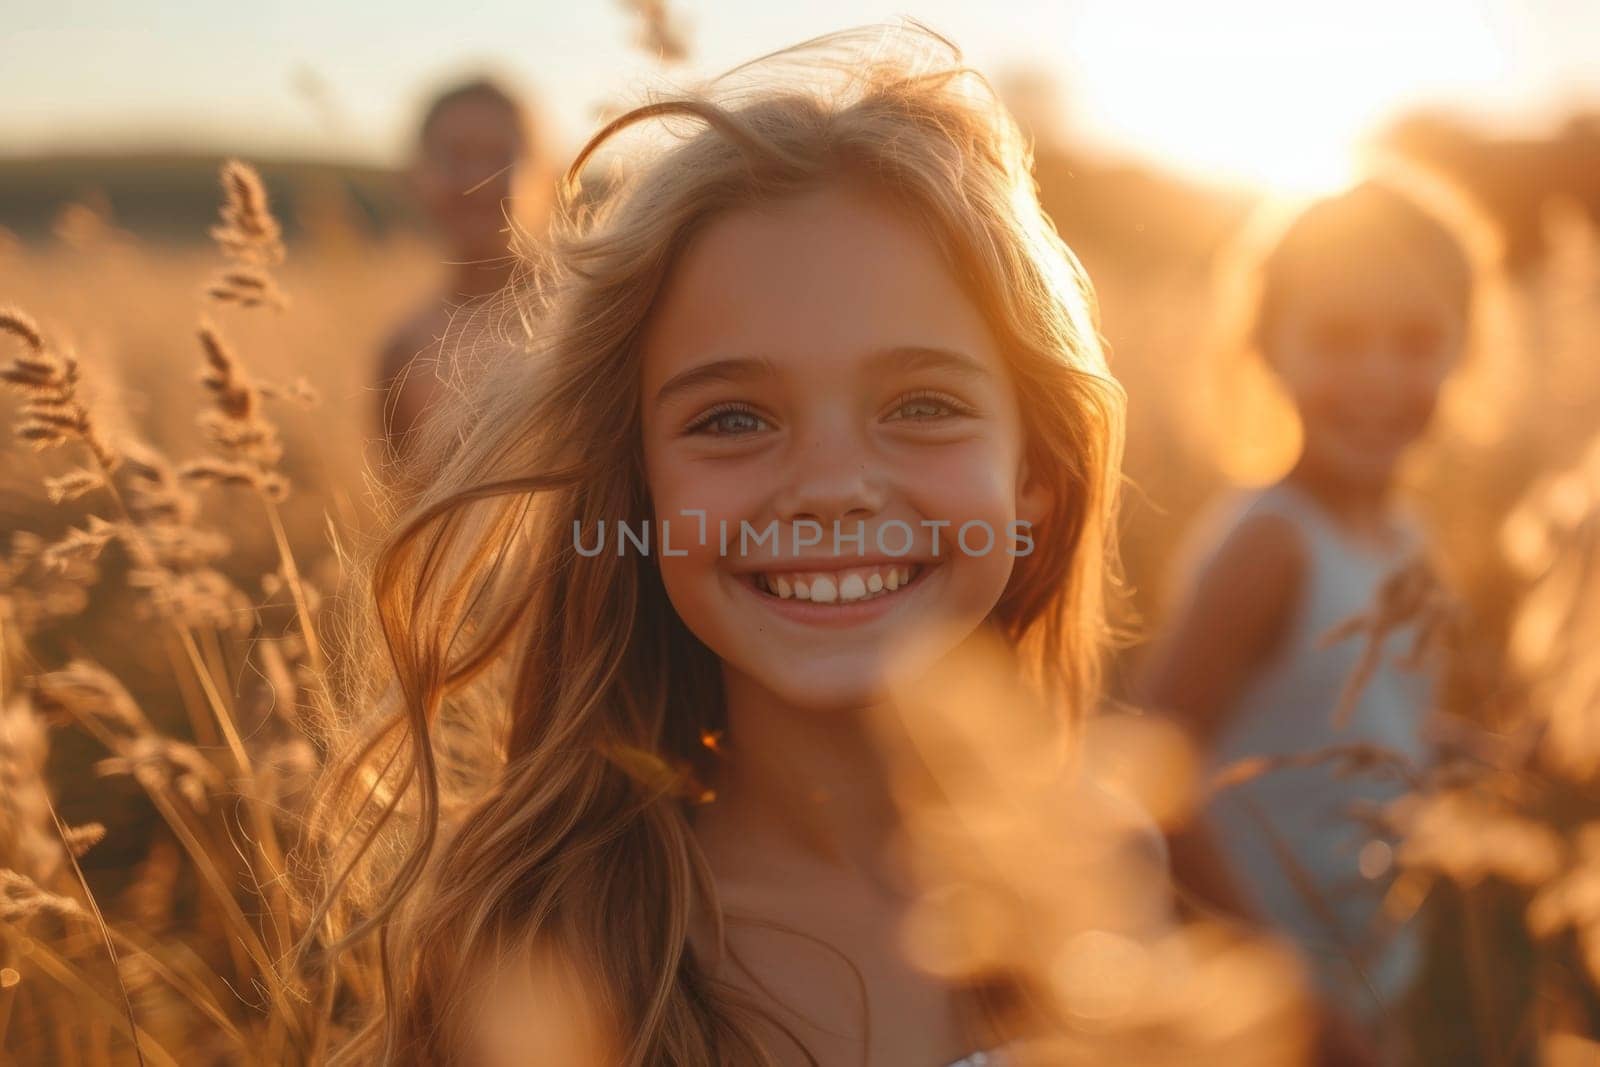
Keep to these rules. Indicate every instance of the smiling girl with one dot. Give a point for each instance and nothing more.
(1360, 306)
(635, 795)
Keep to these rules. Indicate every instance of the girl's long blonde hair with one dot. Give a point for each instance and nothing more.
(535, 712)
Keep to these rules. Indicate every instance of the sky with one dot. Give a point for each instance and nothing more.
(1266, 91)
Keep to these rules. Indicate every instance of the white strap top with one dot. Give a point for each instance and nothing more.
(1288, 707)
(981, 1059)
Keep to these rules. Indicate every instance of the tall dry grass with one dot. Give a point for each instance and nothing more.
(196, 960)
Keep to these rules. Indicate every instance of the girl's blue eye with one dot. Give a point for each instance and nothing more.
(728, 422)
(920, 406)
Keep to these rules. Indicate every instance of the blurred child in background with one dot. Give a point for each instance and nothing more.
(477, 170)
(1360, 307)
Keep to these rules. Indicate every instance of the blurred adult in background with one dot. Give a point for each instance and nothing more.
(1360, 306)
(478, 169)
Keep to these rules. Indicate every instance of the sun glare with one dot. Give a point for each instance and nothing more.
(1266, 93)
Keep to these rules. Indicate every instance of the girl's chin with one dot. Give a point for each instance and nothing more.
(1357, 464)
(1375, 470)
(841, 683)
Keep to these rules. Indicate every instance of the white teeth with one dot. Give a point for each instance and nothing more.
(842, 586)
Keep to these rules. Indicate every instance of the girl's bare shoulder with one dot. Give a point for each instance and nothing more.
(1249, 572)
(1264, 542)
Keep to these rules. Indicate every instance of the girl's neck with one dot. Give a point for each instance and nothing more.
(1364, 508)
(799, 789)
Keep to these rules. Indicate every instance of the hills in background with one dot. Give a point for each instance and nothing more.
(171, 197)
(1134, 213)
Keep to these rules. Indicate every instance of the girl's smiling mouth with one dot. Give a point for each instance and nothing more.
(838, 595)
(842, 586)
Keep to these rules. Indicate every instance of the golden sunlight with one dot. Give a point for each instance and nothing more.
(1266, 93)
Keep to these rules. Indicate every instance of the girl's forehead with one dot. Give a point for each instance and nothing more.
(1375, 286)
(819, 276)
(471, 119)
(836, 231)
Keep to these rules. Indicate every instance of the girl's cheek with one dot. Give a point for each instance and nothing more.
(702, 508)
(1319, 390)
(1424, 401)
(983, 489)
(979, 468)
(1295, 371)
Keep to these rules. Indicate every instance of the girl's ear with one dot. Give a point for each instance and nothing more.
(1035, 496)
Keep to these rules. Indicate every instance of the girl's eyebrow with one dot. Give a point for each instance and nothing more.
(719, 370)
(928, 357)
(895, 358)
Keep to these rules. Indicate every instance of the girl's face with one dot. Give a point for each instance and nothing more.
(1363, 354)
(810, 363)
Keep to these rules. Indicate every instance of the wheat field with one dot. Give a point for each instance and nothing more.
(190, 463)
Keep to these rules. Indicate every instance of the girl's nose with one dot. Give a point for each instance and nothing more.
(1377, 369)
(831, 474)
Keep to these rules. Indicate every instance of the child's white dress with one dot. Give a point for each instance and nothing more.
(1292, 827)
